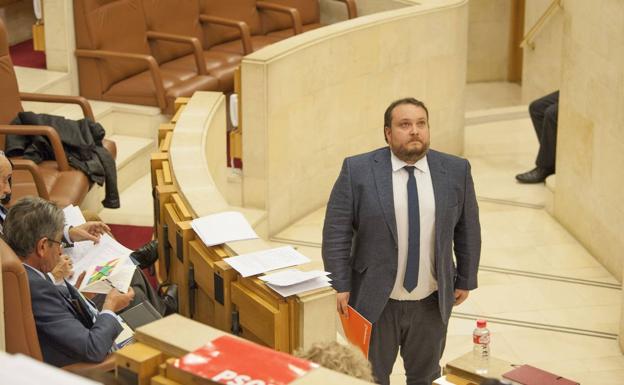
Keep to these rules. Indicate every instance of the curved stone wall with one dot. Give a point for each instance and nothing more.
(313, 99)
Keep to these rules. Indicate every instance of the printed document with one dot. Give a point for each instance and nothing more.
(266, 260)
(223, 227)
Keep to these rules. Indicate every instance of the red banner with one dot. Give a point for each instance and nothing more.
(232, 361)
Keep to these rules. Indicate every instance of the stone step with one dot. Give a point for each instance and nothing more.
(137, 207)
(500, 137)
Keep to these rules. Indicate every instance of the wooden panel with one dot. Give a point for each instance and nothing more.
(189, 335)
(165, 143)
(207, 264)
(163, 129)
(264, 320)
(178, 114)
(183, 212)
(166, 172)
(180, 101)
(156, 160)
(139, 359)
(163, 196)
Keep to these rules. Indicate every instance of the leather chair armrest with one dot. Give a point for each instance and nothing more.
(79, 100)
(243, 28)
(351, 8)
(49, 132)
(151, 63)
(200, 61)
(294, 14)
(33, 169)
(84, 368)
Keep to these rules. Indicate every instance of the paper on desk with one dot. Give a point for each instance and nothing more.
(312, 284)
(266, 260)
(292, 277)
(228, 226)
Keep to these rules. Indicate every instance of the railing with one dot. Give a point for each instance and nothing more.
(554, 6)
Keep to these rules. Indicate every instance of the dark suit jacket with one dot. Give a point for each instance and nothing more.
(65, 336)
(360, 236)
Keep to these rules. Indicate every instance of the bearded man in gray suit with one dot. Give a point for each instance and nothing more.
(394, 219)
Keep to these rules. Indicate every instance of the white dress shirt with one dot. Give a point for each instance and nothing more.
(427, 282)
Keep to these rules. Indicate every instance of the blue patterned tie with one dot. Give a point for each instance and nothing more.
(413, 249)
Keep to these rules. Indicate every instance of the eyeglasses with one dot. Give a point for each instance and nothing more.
(61, 243)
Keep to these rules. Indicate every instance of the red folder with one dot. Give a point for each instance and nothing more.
(529, 375)
(229, 360)
(357, 329)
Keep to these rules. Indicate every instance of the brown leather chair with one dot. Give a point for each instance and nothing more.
(221, 38)
(189, 52)
(20, 331)
(115, 62)
(52, 180)
(277, 25)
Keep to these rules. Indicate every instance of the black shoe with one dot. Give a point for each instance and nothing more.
(170, 298)
(537, 175)
(147, 255)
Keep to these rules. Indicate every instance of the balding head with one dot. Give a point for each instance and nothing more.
(6, 171)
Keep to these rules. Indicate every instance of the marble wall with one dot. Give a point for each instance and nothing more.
(314, 99)
(590, 157)
(489, 23)
(541, 65)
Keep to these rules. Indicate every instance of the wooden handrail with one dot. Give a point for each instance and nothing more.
(528, 38)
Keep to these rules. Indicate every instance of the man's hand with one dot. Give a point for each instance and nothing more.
(64, 269)
(116, 301)
(460, 296)
(88, 231)
(342, 301)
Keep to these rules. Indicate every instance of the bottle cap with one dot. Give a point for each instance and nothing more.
(481, 323)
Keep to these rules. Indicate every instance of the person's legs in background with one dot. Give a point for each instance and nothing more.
(543, 112)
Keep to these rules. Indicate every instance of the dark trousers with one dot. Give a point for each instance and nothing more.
(143, 291)
(417, 329)
(544, 113)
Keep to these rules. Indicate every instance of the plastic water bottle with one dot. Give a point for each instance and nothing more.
(481, 347)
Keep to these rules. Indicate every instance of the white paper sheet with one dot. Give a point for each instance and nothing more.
(223, 227)
(292, 277)
(22, 370)
(266, 260)
(312, 284)
(73, 215)
(106, 250)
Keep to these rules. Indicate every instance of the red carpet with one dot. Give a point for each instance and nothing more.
(132, 237)
(23, 55)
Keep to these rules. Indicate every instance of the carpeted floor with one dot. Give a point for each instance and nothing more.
(22, 54)
(132, 237)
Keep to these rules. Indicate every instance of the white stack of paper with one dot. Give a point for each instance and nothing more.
(22, 370)
(223, 227)
(266, 260)
(293, 281)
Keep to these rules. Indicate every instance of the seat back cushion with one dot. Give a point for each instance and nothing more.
(178, 17)
(243, 10)
(309, 10)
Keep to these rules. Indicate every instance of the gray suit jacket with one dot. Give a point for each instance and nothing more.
(65, 336)
(360, 236)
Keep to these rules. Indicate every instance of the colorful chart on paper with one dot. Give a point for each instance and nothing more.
(102, 271)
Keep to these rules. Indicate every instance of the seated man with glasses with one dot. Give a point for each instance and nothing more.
(69, 327)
